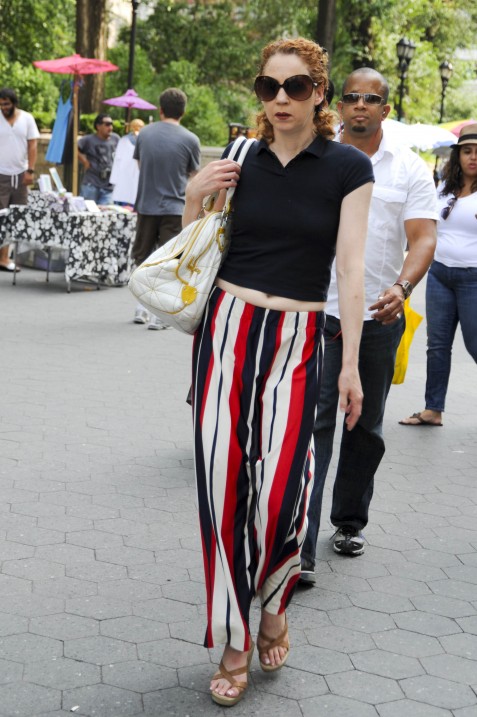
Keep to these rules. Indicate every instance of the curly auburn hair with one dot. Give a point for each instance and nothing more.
(452, 174)
(316, 59)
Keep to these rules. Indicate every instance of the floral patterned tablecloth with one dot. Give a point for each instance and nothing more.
(98, 244)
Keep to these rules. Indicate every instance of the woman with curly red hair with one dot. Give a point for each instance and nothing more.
(257, 355)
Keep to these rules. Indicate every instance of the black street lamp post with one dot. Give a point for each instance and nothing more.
(132, 46)
(446, 70)
(405, 51)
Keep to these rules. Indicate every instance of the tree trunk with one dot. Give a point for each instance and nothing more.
(326, 26)
(358, 22)
(363, 42)
(91, 41)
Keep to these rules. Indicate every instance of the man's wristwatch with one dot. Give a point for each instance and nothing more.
(406, 287)
(30, 171)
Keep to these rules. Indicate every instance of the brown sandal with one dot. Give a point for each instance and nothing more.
(280, 641)
(229, 675)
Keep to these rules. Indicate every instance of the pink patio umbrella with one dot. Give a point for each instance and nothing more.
(457, 128)
(75, 65)
(130, 100)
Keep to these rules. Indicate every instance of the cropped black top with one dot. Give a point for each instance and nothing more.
(286, 219)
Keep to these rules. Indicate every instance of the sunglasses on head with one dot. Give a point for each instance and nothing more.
(447, 209)
(298, 87)
(351, 98)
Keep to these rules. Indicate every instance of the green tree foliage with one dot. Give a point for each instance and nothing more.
(210, 35)
(205, 49)
(33, 30)
(203, 115)
(437, 28)
(145, 80)
(223, 40)
(36, 29)
(269, 19)
(212, 50)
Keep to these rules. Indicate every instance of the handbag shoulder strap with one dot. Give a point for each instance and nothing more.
(239, 149)
(238, 152)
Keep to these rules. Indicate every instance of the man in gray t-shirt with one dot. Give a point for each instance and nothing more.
(96, 154)
(168, 156)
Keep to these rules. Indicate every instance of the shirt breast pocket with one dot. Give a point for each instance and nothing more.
(387, 207)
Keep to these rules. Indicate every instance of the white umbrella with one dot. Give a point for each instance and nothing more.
(428, 136)
(420, 136)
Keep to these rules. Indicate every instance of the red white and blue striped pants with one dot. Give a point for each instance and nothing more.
(256, 376)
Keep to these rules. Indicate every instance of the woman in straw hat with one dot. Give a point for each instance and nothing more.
(451, 293)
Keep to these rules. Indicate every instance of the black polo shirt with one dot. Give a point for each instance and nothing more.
(286, 219)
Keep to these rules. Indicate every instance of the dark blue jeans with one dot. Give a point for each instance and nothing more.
(362, 448)
(451, 297)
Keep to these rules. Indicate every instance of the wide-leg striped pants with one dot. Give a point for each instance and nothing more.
(256, 376)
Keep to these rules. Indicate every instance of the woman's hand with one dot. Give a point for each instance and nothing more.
(351, 396)
(215, 176)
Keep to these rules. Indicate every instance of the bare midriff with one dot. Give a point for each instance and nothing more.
(269, 301)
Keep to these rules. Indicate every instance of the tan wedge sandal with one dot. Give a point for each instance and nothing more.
(225, 700)
(268, 643)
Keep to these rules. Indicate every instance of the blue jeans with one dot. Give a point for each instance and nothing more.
(451, 297)
(362, 448)
(98, 194)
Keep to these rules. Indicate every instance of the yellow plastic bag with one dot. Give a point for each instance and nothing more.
(413, 319)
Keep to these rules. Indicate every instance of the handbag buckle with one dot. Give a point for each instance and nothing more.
(221, 238)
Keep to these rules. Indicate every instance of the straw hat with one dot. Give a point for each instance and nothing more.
(468, 135)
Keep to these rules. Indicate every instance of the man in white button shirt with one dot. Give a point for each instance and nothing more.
(403, 212)
(18, 151)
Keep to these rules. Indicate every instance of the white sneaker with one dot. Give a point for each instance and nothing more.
(348, 541)
(155, 324)
(141, 316)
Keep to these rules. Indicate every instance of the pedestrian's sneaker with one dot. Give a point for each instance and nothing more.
(141, 316)
(155, 324)
(348, 541)
(307, 575)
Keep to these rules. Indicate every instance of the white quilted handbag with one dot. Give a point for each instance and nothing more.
(175, 280)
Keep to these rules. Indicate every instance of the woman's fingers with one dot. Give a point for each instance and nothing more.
(217, 175)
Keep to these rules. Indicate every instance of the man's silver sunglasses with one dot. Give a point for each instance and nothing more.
(351, 98)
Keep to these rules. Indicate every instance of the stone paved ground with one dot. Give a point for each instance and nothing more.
(101, 591)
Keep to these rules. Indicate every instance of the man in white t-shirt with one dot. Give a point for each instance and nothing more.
(403, 212)
(18, 152)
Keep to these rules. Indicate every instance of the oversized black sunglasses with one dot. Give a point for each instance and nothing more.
(448, 208)
(298, 87)
(351, 98)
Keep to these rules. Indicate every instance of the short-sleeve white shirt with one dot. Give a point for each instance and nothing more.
(403, 189)
(14, 142)
(457, 235)
(125, 172)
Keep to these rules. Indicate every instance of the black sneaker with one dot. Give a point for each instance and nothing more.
(307, 575)
(348, 541)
